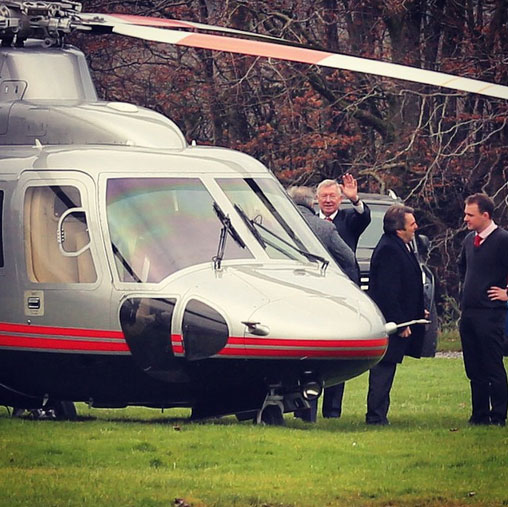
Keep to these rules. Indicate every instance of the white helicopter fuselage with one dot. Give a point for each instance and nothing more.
(140, 270)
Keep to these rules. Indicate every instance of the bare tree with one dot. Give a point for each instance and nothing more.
(433, 147)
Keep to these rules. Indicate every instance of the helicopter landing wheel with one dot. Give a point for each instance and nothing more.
(57, 411)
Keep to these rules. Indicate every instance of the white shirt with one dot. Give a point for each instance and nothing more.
(358, 208)
(487, 231)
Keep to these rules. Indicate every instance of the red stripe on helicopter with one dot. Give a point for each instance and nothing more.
(26, 342)
(61, 331)
(285, 342)
(279, 347)
(58, 338)
(113, 341)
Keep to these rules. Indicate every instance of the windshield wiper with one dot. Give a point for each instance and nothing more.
(308, 255)
(253, 225)
(226, 227)
(250, 225)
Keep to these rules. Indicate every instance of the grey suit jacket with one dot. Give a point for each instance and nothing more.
(327, 233)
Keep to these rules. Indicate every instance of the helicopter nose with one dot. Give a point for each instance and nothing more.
(316, 327)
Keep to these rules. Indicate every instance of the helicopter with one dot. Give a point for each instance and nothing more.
(138, 269)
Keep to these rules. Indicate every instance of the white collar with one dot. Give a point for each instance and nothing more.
(488, 230)
(332, 216)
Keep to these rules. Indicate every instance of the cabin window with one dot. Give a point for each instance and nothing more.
(57, 241)
(161, 225)
(1, 228)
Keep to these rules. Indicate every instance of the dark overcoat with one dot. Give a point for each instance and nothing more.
(396, 286)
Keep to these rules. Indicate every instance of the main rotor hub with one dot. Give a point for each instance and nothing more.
(48, 21)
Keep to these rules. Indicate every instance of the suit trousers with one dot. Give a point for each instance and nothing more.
(332, 401)
(378, 398)
(482, 336)
(332, 404)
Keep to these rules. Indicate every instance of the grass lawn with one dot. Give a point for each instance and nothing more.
(428, 456)
(448, 340)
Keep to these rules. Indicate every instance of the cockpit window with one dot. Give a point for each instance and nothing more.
(161, 225)
(275, 223)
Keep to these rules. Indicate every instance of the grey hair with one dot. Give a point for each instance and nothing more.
(328, 183)
(302, 195)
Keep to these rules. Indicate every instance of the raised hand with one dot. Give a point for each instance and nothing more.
(349, 187)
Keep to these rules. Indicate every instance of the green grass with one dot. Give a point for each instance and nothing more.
(449, 340)
(428, 456)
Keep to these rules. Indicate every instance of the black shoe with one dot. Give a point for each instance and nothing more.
(378, 423)
(304, 415)
(331, 415)
(496, 422)
(479, 422)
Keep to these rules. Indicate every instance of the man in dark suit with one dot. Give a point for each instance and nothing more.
(350, 224)
(483, 265)
(396, 287)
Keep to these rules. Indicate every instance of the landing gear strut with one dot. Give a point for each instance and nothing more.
(272, 411)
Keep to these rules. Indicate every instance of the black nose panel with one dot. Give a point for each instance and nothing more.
(205, 332)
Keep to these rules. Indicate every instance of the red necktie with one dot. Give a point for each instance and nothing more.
(477, 240)
(328, 219)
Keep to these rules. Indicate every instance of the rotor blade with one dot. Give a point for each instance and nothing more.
(315, 57)
(271, 47)
(111, 20)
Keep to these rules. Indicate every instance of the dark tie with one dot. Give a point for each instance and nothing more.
(328, 219)
(477, 240)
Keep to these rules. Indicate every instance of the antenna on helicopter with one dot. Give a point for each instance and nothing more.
(393, 327)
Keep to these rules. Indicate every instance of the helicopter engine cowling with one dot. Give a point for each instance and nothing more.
(37, 106)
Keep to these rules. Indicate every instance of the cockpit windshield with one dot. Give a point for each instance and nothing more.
(272, 218)
(161, 225)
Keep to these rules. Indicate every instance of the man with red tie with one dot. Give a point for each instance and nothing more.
(483, 265)
(351, 222)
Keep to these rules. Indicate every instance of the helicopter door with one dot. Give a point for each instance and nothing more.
(64, 256)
